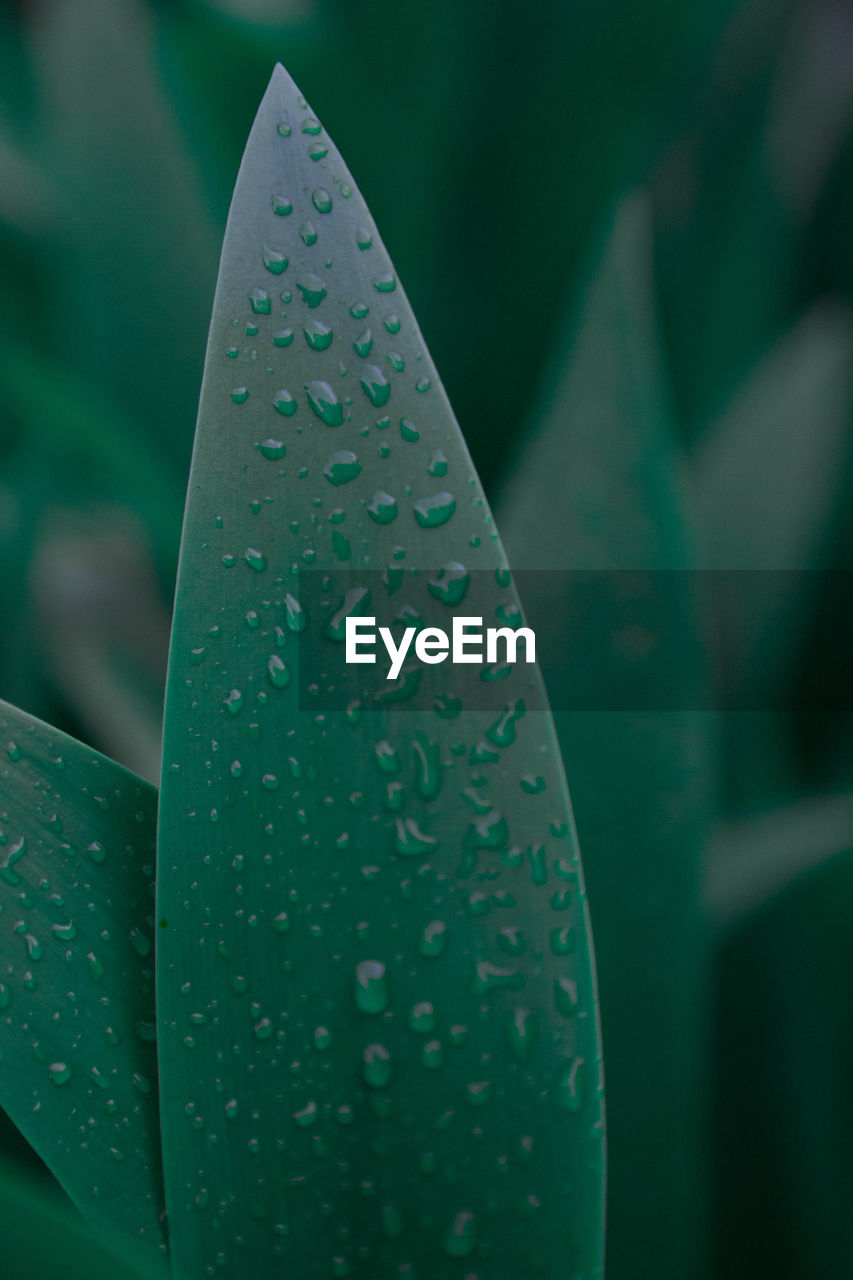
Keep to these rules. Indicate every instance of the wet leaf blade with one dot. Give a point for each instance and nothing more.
(754, 862)
(139, 241)
(40, 1236)
(76, 421)
(303, 845)
(598, 486)
(76, 936)
(769, 485)
(781, 1008)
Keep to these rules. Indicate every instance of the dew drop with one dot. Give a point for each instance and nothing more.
(363, 343)
(341, 546)
(273, 449)
(562, 941)
(312, 289)
(461, 1236)
(278, 672)
(376, 1066)
(274, 260)
(342, 467)
(432, 1055)
(382, 508)
(479, 1092)
(491, 977)
(234, 701)
(422, 1017)
(450, 584)
(522, 1033)
(433, 939)
(533, 784)
(410, 841)
(502, 733)
(294, 614)
(325, 403)
(140, 943)
(307, 1115)
(318, 335)
(355, 603)
(435, 510)
(375, 385)
(371, 986)
(571, 1085)
(566, 996)
(255, 559)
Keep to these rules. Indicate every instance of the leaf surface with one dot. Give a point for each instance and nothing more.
(374, 920)
(784, 1044)
(138, 242)
(769, 486)
(78, 1069)
(42, 1239)
(598, 486)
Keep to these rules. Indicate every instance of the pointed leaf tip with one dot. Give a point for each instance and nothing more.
(324, 436)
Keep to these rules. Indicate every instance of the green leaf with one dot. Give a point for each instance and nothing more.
(626, 71)
(735, 195)
(105, 628)
(138, 242)
(769, 490)
(367, 916)
(753, 862)
(78, 425)
(598, 485)
(788, 424)
(78, 1070)
(42, 1240)
(784, 1044)
(27, 202)
(91, 580)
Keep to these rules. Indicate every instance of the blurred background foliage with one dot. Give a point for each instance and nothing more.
(688, 373)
